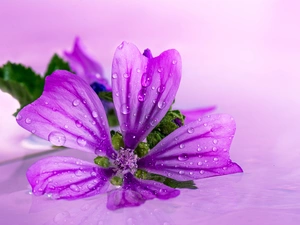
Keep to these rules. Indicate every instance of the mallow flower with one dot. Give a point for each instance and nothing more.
(90, 70)
(69, 113)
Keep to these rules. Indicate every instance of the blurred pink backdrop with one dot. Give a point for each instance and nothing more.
(241, 55)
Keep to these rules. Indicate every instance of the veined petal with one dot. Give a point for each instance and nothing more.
(193, 114)
(136, 191)
(67, 178)
(84, 66)
(197, 150)
(70, 114)
(143, 89)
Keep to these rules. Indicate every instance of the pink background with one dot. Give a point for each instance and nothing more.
(241, 55)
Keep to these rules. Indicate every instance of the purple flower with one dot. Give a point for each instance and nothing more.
(87, 68)
(69, 113)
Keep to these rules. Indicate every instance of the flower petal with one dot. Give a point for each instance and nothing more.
(84, 66)
(68, 113)
(67, 178)
(197, 150)
(193, 114)
(136, 191)
(143, 89)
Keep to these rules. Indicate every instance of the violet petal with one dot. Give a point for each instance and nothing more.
(193, 114)
(69, 113)
(136, 191)
(143, 89)
(84, 66)
(197, 150)
(67, 178)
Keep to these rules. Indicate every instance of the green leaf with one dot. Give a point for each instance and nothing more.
(105, 95)
(180, 184)
(166, 126)
(21, 82)
(112, 118)
(142, 174)
(56, 63)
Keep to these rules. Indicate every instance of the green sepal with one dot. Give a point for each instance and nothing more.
(142, 174)
(117, 181)
(142, 149)
(106, 95)
(21, 82)
(112, 118)
(56, 63)
(102, 161)
(117, 140)
(165, 127)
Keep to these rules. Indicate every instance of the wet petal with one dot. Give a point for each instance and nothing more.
(197, 150)
(84, 66)
(143, 89)
(68, 113)
(193, 114)
(67, 178)
(136, 191)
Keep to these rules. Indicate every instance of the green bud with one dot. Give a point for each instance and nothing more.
(106, 95)
(142, 174)
(117, 140)
(102, 161)
(142, 149)
(117, 181)
(112, 118)
(153, 138)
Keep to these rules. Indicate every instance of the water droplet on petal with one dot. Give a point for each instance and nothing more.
(216, 159)
(126, 75)
(57, 138)
(125, 109)
(153, 122)
(66, 126)
(19, 117)
(141, 96)
(174, 62)
(124, 126)
(161, 104)
(181, 172)
(78, 173)
(201, 172)
(75, 102)
(33, 131)
(214, 149)
(215, 141)
(161, 89)
(190, 130)
(81, 141)
(94, 114)
(121, 46)
(205, 124)
(199, 163)
(78, 123)
(146, 80)
(28, 120)
(138, 70)
(93, 174)
(114, 75)
(183, 157)
(74, 187)
(181, 146)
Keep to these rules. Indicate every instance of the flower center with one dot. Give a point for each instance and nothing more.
(126, 161)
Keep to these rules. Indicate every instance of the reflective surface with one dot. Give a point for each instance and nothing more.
(242, 56)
